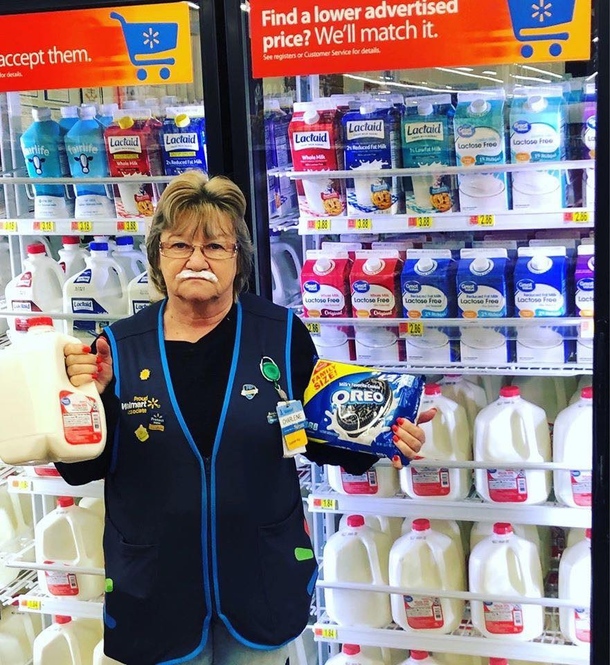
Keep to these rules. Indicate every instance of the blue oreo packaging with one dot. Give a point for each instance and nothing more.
(354, 407)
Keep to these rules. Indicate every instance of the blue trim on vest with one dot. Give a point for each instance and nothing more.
(287, 363)
(117, 391)
(312, 582)
(204, 512)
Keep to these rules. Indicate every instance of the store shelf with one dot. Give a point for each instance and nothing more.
(26, 484)
(23, 583)
(36, 601)
(25, 560)
(71, 226)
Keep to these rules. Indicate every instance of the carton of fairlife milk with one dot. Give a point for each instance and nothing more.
(371, 140)
(541, 291)
(584, 277)
(428, 292)
(479, 140)
(538, 134)
(315, 138)
(427, 140)
(483, 293)
(354, 407)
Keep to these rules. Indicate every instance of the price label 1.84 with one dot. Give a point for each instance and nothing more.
(326, 632)
(325, 504)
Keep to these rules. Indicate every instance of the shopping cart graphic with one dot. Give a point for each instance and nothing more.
(541, 20)
(144, 40)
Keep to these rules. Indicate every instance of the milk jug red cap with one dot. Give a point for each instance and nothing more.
(502, 528)
(510, 391)
(351, 649)
(36, 248)
(355, 520)
(65, 501)
(40, 321)
(419, 655)
(498, 661)
(588, 534)
(60, 618)
(587, 392)
(432, 389)
(421, 524)
(70, 240)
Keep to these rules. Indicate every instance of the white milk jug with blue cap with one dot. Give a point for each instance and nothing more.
(72, 256)
(447, 527)
(448, 438)
(573, 444)
(138, 293)
(357, 554)
(99, 289)
(65, 642)
(512, 430)
(575, 585)
(380, 480)
(351, 654)
(506, 565)
(130, 259)
(426, 559)
(50, 420)
(391, 526)
(466, 393)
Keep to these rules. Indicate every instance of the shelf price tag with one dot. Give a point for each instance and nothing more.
(8, 226)
(578, 216)
(587, 328)
(411, 329)
(421, 222)
(21, 485)
(130, 225)
(30, 604)
(360, 224)
(482, 220)
(81, 226)
(325, 504)
(314, 328)
(319, 224)
(326, 632)
(44, 227)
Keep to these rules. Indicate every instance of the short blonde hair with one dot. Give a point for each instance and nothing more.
(193, 202)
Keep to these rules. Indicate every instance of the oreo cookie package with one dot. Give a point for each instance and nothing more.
(355, 407)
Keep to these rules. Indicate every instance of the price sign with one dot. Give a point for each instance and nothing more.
(8, 226)
(21, 485)
(578, 216)
(411, 329)
(325, 504)
(360, 224)
(314, 328)
(130, 225)
(421, 222)
(319, 224)
(326, 632)
(482, 220)
(82, 227)
(30, 604)
(44, 227)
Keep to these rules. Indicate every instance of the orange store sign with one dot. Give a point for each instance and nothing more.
(96, 47)
(333, 36)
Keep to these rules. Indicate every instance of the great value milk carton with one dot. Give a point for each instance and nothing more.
(371, 140)
(480, 140)
(183, 139)
(537, 134)
(427, 141)
(541, 291)
(315, 137)
(483, 293)
(589, 140)
(584, 278)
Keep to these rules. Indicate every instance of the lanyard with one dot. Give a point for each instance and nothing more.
(271, 372)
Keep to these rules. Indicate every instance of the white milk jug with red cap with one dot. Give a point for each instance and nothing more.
(72, 256)
(351, 654)
(72, 537)
(511, 430)
(48, 420)
(65, 642)
(357, 554)
(420, 658)
(37, 289)
(447, 438)
(509, 566)
(575, 585)
(583, 382)
(100, 658)
(426, 559)
(22, 626)
(385, 655)
(466, 393)
(391, 526)
(550, 393)
(11, 651)
(449, 527)
(573, 444)
(380, 480)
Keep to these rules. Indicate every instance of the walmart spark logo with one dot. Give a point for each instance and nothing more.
(151, 38)
(541, 10)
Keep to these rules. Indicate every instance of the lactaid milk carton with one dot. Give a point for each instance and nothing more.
(541, 291)
(428, 292)
(183, 139)
(315, 138)
(371, 140)
(483, 293)
(538, 134)
(354, 407)
(480, 140)
(584, 278)
(427, 141)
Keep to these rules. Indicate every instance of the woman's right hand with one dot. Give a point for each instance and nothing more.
(83, 366)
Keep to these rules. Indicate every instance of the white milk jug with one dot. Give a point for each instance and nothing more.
(131, 260)
(11, 651)
(5, 277)
(506, 565)
(512, 430)
(491, 384)
(449, 527)
(459, 659)
(138, 293)
(575, 535)
(385, 655)
(575, 585)
(23, 626)
(94, 504)
(72, 256)
(351, 654)
(550, 393)
(71, 536)
(357, 554)
(469, 395)
(482, 530)
(285, 271)
(37, 289)
(426, 559)
(420, 658)
(391, 526)
(573, 444)
(447, 438)
(48, 420)
(583, 382)
(65, 642)
(380, 480)
(100, 658)
(99, 289)
(15, 530)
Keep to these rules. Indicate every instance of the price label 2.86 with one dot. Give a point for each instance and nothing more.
(314, 328)
(411, 329)
(482, 220)
(578, 216)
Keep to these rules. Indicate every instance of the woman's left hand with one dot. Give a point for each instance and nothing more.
(410, 438)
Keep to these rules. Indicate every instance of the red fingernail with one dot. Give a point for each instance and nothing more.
(394, 428)
(94, 376)
(86, 349)
(98, 359)
(395, 458)
(395, 439)
(400, 421)
(99, 367)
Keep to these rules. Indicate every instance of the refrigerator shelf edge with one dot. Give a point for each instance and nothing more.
(23, 484)
(25, 561)
(35, 601)
(72, 226)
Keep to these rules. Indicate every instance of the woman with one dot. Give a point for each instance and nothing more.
(207, 558)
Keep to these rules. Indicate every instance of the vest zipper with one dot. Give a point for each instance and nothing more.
(207, 465)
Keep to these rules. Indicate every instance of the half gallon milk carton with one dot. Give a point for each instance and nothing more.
(371, 139)
(483, 293)
(480, 140)
(589, 140)
(584, 282)
(537, 134)
(575, 585)
(540, 280)
(315, 144)
(427, 141)
(183, 139)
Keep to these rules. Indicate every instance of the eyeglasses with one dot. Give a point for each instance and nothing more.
(183, 250)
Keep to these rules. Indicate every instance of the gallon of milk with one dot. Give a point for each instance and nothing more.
(94, 504)
(72, 256)
(573, 444)
(351, 654)
(99, 289)
(58, 422)
(100, 658)
(5, 277)
(11, 651)
(66, 642)
(15, 531)
(426, 559)
(550, 393)
(470, 396)
(285, 269)
(22, 626)
(380, 480)
(420, 658)
(448, 527)
(37, 289)
(512, 430)
(357, 554)
(386, 656)
(70, 536)
(138, 293)
(447, 438)
(131, 260)
(391, 526)
(506, 565)
(575, 585)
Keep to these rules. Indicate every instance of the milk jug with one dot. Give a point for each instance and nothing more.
(447, 438)
(357, 554)
(285, 270)
(420, 658)
(550, 393)
(50, 420)
(380, 480)
(5, 277)
(11, 651)
(512, 430)
(575, 585)
(36, 289)
(447, 527)
(15, 530)
(385, 655)
(391, 526)
(426, 559)
(100, 658)
(575, 535)
(459, 659)
(465, 393)
(506, 565)
(573, 444)
(23, 626)
(99, 289)
(351, 654)
(131, 260)
(94, 504)
(72, 256)
(66, 642)
(138, 293)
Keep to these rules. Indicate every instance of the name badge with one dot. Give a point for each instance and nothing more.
(292, 423)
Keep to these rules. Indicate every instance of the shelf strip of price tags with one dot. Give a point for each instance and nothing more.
(578, 216)
(319, 224)
(360, 224)
(482, 220)
(411, 329)
(21, 484)
(130, 225)
(421, 222)
(30, 604)
(81, 226)
(44, 227)
(8, 226)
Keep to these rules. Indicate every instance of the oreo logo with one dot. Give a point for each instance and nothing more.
(522, 126)
(361, 286)
(311, 286)
(466, 131)
(526, 285)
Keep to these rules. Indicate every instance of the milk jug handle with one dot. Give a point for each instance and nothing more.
(373, 555)
(528, 430)
(450, 418)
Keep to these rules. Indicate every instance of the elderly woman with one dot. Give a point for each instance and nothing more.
(207, 557)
